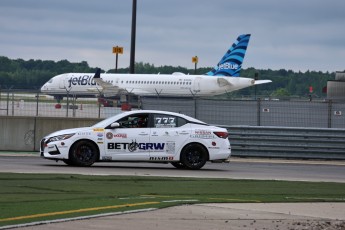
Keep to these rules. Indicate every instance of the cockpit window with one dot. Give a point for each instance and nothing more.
(51, 80)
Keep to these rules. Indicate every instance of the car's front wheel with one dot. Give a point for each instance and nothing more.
(83, 153)
(194, 156)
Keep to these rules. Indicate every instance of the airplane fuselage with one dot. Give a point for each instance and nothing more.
(176, 85)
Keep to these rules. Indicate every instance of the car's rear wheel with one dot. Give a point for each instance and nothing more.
(194, 156)
(178, 165)
(83, 153)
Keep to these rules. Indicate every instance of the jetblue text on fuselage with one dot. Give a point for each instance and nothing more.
(81, 80)
(228, 65)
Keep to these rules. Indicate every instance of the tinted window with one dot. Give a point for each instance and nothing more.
(134, 121)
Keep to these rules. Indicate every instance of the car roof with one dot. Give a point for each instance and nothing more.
(167, 113)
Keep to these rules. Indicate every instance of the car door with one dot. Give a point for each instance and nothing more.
(168, 135)
(128, 142)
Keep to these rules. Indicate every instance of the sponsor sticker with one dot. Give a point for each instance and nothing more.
(98, 129)
(106, 158)
(161, 158)
(84, 133)
(202, 134)
(109, 135)
(134, 146)
(170, 147)
(120, 135)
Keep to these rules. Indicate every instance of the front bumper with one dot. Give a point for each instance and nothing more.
(54, 150)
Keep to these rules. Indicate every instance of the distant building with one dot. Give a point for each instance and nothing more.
(336, 88)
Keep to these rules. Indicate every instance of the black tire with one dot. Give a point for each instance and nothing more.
(194, 156)
(178, 165)
(83, 153)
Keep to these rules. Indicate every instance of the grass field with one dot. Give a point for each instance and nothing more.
(34, 197)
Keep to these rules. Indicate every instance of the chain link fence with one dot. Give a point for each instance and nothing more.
(316, 114)
(259, 112)
(33, 103)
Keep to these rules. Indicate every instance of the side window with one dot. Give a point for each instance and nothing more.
(167, 121)
(134, 121)
(181, 122)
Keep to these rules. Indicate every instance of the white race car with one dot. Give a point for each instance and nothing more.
(141, 135)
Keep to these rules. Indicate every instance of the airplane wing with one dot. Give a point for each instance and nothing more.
(258, 82)
(108, 88)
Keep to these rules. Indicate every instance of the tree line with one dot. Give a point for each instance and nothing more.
(32, 74)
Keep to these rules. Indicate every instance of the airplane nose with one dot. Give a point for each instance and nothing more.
(43, 88)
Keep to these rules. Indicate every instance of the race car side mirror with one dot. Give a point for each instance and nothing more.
(115, 125)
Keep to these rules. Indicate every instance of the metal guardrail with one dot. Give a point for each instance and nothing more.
(286, 142)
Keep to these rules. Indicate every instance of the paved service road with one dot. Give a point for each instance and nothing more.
(218, 216)
(330, 171)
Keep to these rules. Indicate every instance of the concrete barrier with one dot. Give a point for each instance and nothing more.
(25, 133)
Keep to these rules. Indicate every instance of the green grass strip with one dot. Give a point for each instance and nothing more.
(35, 197)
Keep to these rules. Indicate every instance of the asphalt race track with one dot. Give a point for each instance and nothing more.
(239, 168)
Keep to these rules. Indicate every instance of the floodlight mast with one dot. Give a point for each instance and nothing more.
(134, 18)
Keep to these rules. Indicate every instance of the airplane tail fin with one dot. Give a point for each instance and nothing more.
(230, 65)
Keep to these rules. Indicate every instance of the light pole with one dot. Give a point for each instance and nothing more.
(134, 19)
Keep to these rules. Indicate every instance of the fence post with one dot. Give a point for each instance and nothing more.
(12, 104)
(7, 101)
(67, 104)
(330, 114)
(258, 112)
(195, 105)
(37, 96)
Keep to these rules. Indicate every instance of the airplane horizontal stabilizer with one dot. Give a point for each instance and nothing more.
(258, 82)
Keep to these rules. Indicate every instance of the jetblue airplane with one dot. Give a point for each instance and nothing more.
(223, 78)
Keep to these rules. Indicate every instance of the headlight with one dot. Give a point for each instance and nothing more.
(60, 137)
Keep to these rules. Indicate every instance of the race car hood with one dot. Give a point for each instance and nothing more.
(68, 131)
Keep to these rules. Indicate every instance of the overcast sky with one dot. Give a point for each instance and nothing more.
(296, 34)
